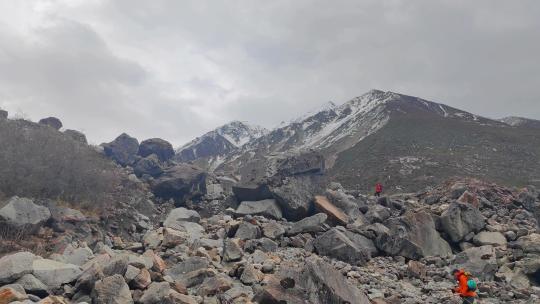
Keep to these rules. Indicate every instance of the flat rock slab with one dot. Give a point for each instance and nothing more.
(334, 213)
(53, 273)
(267, 208)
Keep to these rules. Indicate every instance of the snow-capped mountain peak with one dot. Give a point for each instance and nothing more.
(211, 147)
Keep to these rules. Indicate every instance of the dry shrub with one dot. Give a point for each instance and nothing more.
(38, 161)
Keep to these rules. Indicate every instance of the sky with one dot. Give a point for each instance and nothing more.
(177, 69)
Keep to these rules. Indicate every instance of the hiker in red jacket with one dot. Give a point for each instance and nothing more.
(378, 189)
(465, 291)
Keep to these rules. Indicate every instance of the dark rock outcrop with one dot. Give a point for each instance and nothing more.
(180, 182)
(162, 148)
(123, 149)
(461, 219)
(413, 236)
(52, 122)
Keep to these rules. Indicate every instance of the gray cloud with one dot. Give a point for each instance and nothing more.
(176, 69)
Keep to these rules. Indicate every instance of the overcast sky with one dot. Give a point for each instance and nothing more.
(176, 69)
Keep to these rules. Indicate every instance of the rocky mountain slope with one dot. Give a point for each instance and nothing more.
(175, 233)
(401, 141)
(209, 150)
(521, 122)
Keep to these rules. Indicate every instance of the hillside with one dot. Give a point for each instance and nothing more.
(403, 141)
(209, 150)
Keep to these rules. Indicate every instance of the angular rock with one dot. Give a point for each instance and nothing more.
(123, 149)
(273, 230)
(149, 165)
(480, 261)
(248, 231)
(314, 223)
(180, 182)
(251, 276)
(77, 256)
(252, 193)
(181, 215)
(268, 208)
(413, 236)
(3, 114)
(172, 237)
(489, 238)
(10, 294)
(529, 243)
(232, 251)
(344, 202)
(33, 286)
(377, 214)
(161, 148)
(295, 196)
(335, 243)
(14, 266)
(22, 213)
(52, 122)
(142, 280)
(327, 285)
(461, 219)
(189, 265)
(112, 290)
(215, 285)
(156, 293)
(334, 213)
(53, 273)
(89, 277)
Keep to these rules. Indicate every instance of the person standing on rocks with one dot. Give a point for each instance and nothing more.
(378, 189)
(467, 286)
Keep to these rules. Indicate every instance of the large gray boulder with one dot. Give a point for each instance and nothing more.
(480, 261)
(191, 264)
(327, 285)
(180, 182)
(299, 164)
(112, 290)
(338, 244)
(161, 148)
(149, 165)
(156, 293)
(249, 192)
(23, 213)
(489, 238)
(461, 219)
(345, 202)
(123, 149)
(32, 285)
(413, 236)
(179, 215)
(54, 274)
(314, 223)
(14, 266)
(295, 196)
(268, 208)
(52, 122)
(247, 231)
(315, 282)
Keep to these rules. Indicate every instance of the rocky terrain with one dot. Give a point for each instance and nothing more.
(172, 232)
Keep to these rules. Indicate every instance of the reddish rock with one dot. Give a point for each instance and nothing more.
(323, 204)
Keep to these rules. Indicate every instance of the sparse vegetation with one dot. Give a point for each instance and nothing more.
(38, 161)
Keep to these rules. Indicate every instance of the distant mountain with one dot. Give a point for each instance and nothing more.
(399, 140)
(521, 122)
(210, 149)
